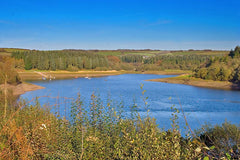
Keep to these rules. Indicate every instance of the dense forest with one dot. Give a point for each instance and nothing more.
(225, 68)
(61, 60)
(74, 60)
(183, 62)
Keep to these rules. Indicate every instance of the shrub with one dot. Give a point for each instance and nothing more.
(101, 132)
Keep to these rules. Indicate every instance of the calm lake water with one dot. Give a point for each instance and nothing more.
(200, 105)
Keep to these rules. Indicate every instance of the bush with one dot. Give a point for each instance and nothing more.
(101, 132)
(223, 140)
(8, 73)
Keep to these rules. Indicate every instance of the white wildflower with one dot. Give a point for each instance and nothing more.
(44, 125)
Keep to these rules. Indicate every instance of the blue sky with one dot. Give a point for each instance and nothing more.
(118, 24)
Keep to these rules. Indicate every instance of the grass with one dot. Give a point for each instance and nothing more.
(14, 49)
(5, 54)
(144, 53)
(189, 80)
(119, 53)
(169, 72)
(201, 52)
(109, 53)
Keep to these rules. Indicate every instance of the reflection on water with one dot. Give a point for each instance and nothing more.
(199, 104)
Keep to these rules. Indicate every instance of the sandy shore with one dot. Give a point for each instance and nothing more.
(21, 88)
(39, 75)
(185, 79)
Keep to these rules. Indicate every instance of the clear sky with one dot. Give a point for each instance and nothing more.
(118, 24)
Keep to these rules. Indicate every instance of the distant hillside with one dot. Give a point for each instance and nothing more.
(122, 59)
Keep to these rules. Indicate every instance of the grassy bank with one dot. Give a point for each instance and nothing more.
(188, 80)
(168, 72)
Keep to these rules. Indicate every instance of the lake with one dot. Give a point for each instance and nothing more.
(200, 105)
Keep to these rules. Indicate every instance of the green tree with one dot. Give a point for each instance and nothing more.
(28, 63)
(235, 53)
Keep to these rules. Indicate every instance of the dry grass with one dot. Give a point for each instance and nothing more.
(5, 54)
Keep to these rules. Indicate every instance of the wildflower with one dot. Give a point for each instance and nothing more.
(43, 126)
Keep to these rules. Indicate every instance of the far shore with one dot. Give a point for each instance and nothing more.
(183, 78)
(187, 80)
(34, 75)
(40, 75)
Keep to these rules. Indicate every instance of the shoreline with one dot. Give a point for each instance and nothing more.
(39, 75)
(22, 88)
(183, 78)
(197, 82)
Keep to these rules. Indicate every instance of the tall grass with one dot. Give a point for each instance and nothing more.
(31, 131)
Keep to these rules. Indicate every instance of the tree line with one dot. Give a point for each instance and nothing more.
(226, 68)
(61, 60)
(74, 60)
(183, 62)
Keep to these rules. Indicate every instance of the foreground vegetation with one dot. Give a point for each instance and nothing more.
(105, 132)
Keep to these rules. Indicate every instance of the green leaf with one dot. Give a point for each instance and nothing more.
(228, 156)
(206, 158)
